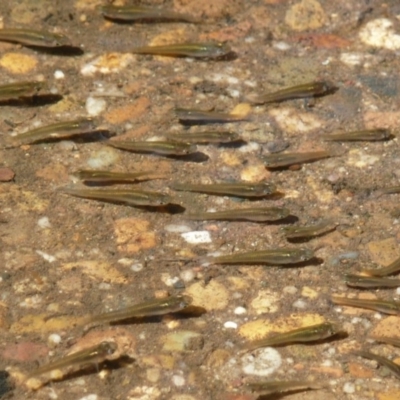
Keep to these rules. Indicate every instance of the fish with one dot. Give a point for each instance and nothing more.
(255, 214)
(301, 335)
(30, 37)
(282, 160)
(271, 257)
(239, 189)
(311, 89)
(394, 341)
(109, 177)
(361, 281)
(148, 308)
(190, 115)
(165, 148)
(127, 196)
(391, 269)
(296, 232)
(269, 387)
(94, 354)
(393, 367)
(195, 50)
(59, 130)
(205, 137)
(135, 13)
(371, 135)
(383, 306)
(19, 90)
(389, 190)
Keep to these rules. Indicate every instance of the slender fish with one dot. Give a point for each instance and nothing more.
(19, 90)
(281, 160)
(129, 197)
(196, 50)
(302, 335)
(59, 130)
(109, 177)
(372, 135)
(189, 115)
(270, 257)
(311, 89)
(394, 341)
(164, 148)
(135, 13)
(228, 189)
(361, 281)
(94, 354)
(395, 368)
(258, 214)
(29, 37)
(383, 306)
(205, 137)
(297, 232)
(146, 309)
(391, 269)
(269, 387)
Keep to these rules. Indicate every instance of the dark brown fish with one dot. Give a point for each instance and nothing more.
(281, 160)
(161, 147)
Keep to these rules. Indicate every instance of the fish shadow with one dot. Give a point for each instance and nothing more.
(34, 101)
(236, 144)
(64, 51)
(197, 157)
(279, 396)
(166, 209)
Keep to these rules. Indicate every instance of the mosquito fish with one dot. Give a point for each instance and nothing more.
(228, 189)
(269, 387)
(301, 335)
(395, 368)
(146, 309)
(372, 135)
(129, 197)
(164, 148)
(134, 13)
(189, 115)
(383, 306)
(287, 159)
(205, 137)
(115, 177)
(261, 214)
(59, 130)
(312, 89)
(273, 257)
(391, 269)
(30, 37)
(94, 354)
(19, 89)
(295, 232)
(196, 50)
(390, 190)
(370, 282)
(394, 341)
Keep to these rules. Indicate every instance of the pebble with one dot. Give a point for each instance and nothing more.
(95, 106)
(44, 223)
(240, 310)
(349, 388)
(102, 158)
(175, 228)
(58, 74)
(197, 237)
(230, 325)
(90, 397)
(263, 362)
(47, 257)
(380, 33)
(54, 339)
(6, 174)
(300, 304)
(178, 380)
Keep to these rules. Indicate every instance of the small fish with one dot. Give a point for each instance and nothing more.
(390, 190)
(196, 50)
(205, 137)
(296, 232)
(270, 257)
(59, 130)
(94, 354)
(394, 341)
(383, 306)
(129, 197)
(146, 309)
(312, 89)
(164, 148)
(19, 90)
(30, 37)
(391, 269)
(361, 281)
(228, 189)
(372, 135)
(189, 115)
(135, 13)
(269, 387)
(301, 335)
(395, 368)
(258, 214)
(109, 177)
(281, 160)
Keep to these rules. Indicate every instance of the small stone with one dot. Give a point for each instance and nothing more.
(95, 106)
(305, 15)
(240, 310)
(380, 33)
(178, 380)
(197, 237)
(44, 223)
(230, 325)
(174, 228)
(266, 301)
(6, 174)
(102, 158)
(58, 74)
(263, 362)
(213, 296)
(54, 339)
(181, 341)
(107, 64)
(18, 63)
(349, 388)
(153, 374)
(295, 122)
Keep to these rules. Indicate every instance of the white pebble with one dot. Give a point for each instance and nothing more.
(398, 291)
(281, 46)
(250, 147)
(47, 257)
(102, 158)
(136, 267)
(95, 106)
(187, 275)
(300, 304)
(349, 388)
(44, 222)
(54, 338)
(290, 290)
(174, 228)
(104, 286)
(240, 310)
(59, 74)
(380, 33)
(196, 237)
(264, 362)
(178, 380)
(230, 325)
(327, 363)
